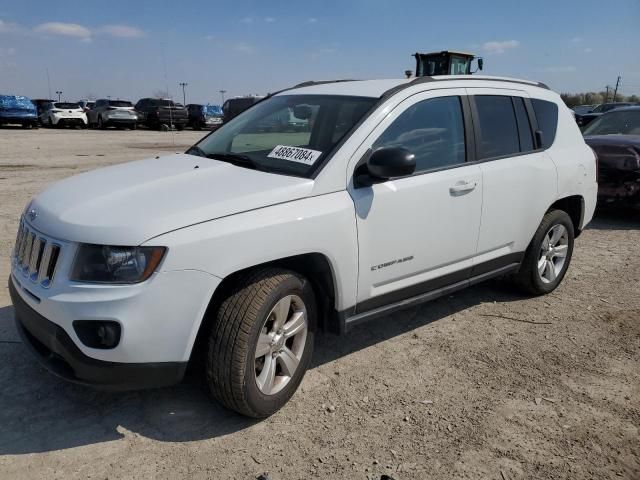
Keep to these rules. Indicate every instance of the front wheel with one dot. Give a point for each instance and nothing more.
(548, 256)
(261, 341)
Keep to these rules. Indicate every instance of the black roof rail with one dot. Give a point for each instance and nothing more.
(311, 83)
(419, 80)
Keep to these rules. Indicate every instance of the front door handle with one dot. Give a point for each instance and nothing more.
(462, 188)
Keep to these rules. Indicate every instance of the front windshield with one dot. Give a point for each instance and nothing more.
(623, 122)
(289, 134)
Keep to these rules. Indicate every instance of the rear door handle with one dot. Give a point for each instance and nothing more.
(462, 188)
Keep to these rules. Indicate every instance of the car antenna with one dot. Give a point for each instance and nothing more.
(166, 81)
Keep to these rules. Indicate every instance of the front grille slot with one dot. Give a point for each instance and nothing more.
(35, 255)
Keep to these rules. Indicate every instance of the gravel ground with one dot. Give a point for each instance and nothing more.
(482, 384)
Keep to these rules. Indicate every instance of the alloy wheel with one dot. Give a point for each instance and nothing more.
(281, 344)
(553, 253)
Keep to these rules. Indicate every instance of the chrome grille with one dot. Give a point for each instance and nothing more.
(35, 256)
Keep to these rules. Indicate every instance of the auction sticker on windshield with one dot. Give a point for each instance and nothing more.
(295, 154)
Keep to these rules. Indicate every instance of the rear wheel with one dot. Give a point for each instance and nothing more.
(261, 341)
(548, 256)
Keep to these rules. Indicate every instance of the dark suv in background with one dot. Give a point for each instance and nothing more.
(161, 113)
(235, 106)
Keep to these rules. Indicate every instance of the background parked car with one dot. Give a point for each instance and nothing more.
(161, 113)
(86, 105)
(585, 119)
(19, 110)
(582, 109)
(116, 113)
(235, 106)
(40, 103)
(63, 114)
(615, 137)
(204, 116)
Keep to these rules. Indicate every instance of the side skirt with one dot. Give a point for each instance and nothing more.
(347, 319)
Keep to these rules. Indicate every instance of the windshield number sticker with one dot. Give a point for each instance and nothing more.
(295, 154)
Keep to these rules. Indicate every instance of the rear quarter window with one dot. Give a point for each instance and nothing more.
(547, 118)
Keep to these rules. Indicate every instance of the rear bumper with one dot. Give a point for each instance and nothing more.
(69, 121)
(57, 352)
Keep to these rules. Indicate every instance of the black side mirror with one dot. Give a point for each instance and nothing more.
(480, 63)
(386, 163)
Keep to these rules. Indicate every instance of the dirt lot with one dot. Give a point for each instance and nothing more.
(483, 384)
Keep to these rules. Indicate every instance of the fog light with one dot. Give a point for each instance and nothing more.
(103, 334)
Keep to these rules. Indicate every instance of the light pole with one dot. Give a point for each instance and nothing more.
(184, 97)
(222, 92)
(59, 92)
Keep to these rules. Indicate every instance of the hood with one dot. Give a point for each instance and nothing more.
(130, 203)
(622, 140)
(617, 154)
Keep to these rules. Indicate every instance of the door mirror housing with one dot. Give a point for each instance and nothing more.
(386, 163)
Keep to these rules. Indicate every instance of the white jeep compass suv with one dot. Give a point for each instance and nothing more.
(395, 192)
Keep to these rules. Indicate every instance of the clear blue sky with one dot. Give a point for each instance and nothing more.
(130, 49)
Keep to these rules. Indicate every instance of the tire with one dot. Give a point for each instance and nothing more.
(179, 128)
(552, 270)
(247, 314)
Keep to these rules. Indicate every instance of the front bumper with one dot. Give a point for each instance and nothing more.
(57, 352)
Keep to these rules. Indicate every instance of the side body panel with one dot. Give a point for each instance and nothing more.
(412, 230)
(575, 162)
(517, 192)
(323, 224)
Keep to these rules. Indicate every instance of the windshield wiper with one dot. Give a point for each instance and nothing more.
(197, 151)
(235, 159)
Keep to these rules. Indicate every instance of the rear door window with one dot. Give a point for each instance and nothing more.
(496, 127)
(547, 118)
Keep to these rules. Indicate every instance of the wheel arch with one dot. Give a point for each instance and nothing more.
(315, 267)
(574, 206)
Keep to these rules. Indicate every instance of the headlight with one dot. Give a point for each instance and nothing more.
(104, 264)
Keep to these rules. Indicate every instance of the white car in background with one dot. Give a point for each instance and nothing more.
(237, 252)
(112, 113)
(63, 114)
